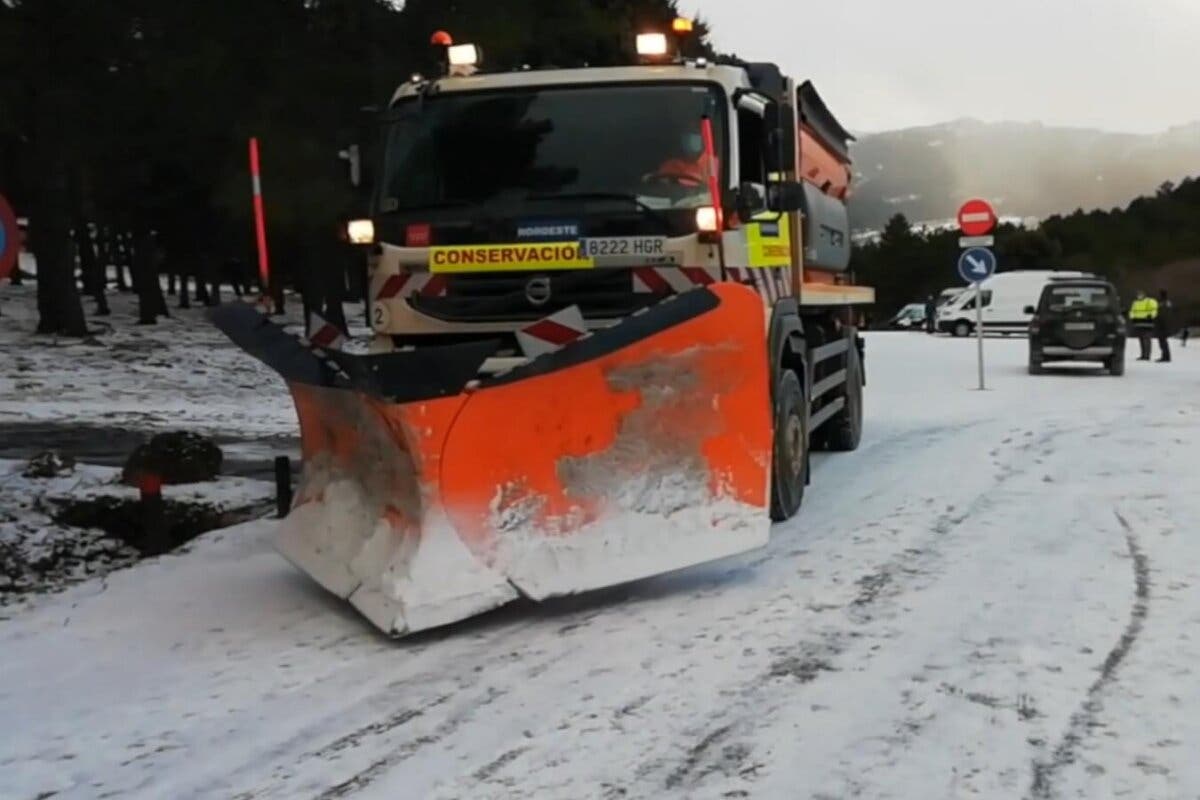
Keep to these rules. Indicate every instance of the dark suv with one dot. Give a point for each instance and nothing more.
(1077, 319)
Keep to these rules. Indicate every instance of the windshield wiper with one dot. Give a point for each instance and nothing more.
(646, 209)
(430, 206)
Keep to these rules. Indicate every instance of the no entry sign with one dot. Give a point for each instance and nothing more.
(976, 218)
(10, 238)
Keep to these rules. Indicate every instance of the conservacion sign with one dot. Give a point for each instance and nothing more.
(507, 257)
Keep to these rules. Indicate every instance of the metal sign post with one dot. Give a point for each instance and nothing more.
(979, 329)
(977, 219)
(975, 266)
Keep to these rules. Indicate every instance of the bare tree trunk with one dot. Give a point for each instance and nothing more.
(123, 260)
(59, 308)
(93, 270)
(151, 304)
(201, 270)
(185, 274)
(333, 275)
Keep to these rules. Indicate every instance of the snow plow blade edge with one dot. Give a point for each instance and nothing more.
(430, 494)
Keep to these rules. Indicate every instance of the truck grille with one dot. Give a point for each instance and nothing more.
(520, 296)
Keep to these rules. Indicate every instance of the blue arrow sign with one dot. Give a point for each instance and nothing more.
(977, 264)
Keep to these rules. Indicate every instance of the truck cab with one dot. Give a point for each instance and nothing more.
(503, 198)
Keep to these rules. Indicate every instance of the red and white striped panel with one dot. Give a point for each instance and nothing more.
(671, 280)
(770, 282)
(403, 284)
(552, 333)
(322, 335)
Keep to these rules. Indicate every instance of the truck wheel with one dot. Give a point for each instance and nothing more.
(844, 429)
(1116, 364)
(789, 465)
(1035, 363)
(962, 328)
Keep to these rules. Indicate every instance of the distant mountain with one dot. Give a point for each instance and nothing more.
(1026, 169)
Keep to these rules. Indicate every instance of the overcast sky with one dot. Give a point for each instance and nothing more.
(1121, 65)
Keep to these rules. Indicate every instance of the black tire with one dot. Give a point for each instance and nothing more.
(962, 328)
(1035, 363)
(843, 432)
(1116, 364)
(789, 462)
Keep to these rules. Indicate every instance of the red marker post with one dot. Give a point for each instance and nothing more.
(260, 223)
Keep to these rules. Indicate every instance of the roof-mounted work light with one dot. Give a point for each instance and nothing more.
(652, 45)
(463, 55)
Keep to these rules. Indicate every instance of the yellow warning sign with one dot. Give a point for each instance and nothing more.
(769, 242)
(509, 257)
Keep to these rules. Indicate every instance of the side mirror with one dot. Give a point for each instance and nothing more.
(786, 196)
(750, 201)
(1030, 310)
(352, 155)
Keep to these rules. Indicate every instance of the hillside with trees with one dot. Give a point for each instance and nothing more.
(1026, 169)
(1153, 242)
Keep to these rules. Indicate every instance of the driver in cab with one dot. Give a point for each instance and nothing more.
(690, 166)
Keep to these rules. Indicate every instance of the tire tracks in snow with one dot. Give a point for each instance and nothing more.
(394, 756)
(721, 743)
(1084, 719)
(919, 559)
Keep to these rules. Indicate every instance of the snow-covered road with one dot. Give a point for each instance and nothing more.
(998, 596)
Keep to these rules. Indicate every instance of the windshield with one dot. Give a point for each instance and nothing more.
(640, 143)
(1067, 298)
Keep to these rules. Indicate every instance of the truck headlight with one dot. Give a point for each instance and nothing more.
(707, 219)
(360, 231)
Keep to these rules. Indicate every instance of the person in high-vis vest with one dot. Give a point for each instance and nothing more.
(1141, 318)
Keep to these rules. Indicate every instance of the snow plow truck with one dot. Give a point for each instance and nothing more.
(612, 314)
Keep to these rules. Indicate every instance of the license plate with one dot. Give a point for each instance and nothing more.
(624, 247)
(1079, 326)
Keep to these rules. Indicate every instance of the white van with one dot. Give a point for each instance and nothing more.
(949, 294)
(1005, 297)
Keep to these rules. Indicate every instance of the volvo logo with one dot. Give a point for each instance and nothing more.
(537, 291)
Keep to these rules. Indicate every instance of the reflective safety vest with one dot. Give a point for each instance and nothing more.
(1145, 309)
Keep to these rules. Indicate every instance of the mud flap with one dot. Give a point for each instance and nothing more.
(428, 496)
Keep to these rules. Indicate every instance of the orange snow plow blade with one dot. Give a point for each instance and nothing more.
(431, 494)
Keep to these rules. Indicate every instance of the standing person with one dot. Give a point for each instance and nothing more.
(930, 314)
(1141, 318)
(1162, 327)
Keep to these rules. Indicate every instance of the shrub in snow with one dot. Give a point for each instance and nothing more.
(49, 464)
(177, 457)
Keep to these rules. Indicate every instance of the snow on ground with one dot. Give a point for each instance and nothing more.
(995, 596)
(39, 554)
(179, 374)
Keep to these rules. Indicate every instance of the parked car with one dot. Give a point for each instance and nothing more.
(1077, 319)
(911, 317)
(1005, 297)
